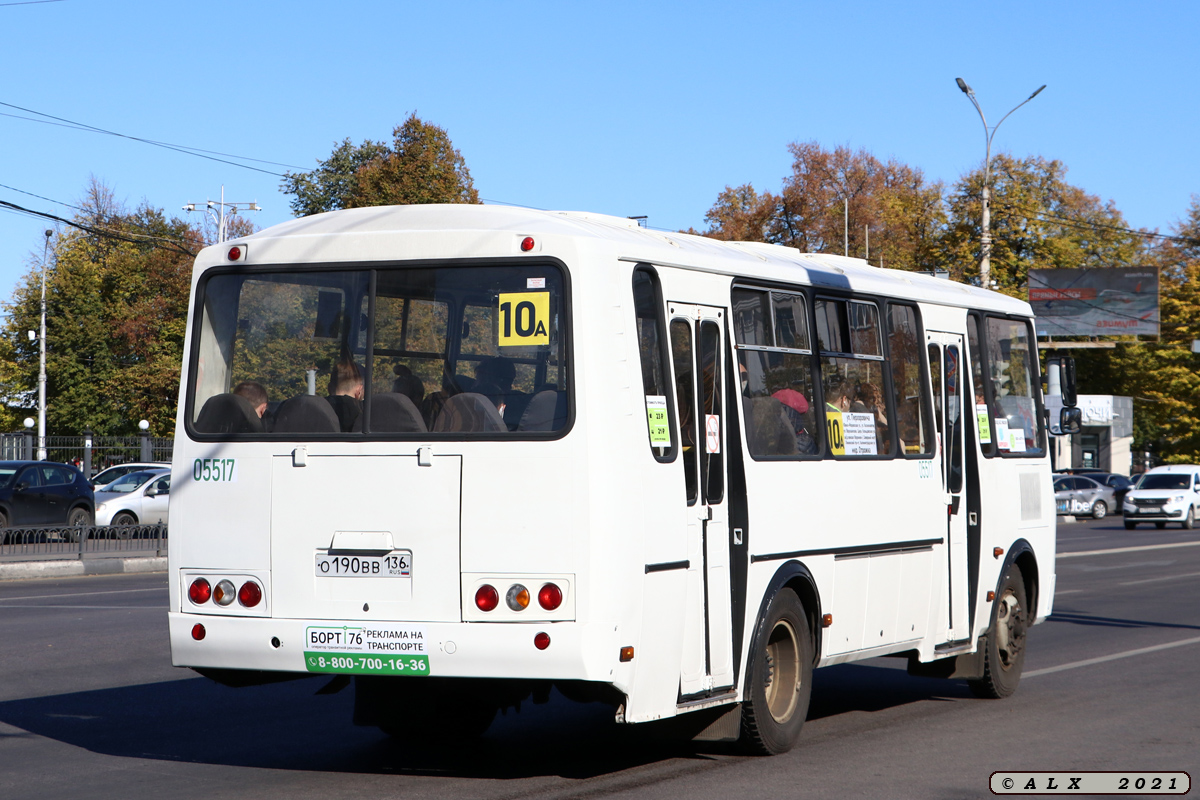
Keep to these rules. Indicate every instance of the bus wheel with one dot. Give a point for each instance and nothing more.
(1004, 647)
(779, 682)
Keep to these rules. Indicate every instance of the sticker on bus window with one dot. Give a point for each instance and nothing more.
(535, 283)
(1016, 440)
(1002, 440)
(837, 430)
(660, 427)
(985, 430)
(524, 318)
(712, 433)
(859, 432)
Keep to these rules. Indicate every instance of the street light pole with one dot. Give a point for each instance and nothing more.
(41, 445)
(985, 240)
(218, 215)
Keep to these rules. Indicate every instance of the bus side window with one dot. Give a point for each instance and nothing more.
(648, 314)
(681, 354)
(910, 411)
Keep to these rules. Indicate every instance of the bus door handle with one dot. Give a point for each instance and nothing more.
(704, 513)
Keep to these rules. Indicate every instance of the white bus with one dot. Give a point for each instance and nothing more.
(465, 454)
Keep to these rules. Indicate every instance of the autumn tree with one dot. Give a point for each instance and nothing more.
(421, 166)
(891, 209)
(116, 297)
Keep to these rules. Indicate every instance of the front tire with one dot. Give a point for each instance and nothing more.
(1004, 653)
(779, 678)
(1099, 509)
(1189, 521)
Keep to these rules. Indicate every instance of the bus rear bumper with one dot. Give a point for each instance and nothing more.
(468, 650)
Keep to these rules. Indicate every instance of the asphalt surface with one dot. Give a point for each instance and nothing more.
(91, 707)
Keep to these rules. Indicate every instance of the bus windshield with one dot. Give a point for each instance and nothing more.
(386, 351)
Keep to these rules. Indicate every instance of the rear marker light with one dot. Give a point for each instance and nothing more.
(198, 631)
(550, 597)
(527, 244)
(541, 641)
(225, 593)
(486, 597)
(517, 597)
(199, 591)
(250, 594)
(235, 253)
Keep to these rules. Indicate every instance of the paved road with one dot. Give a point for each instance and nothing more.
(90, 707)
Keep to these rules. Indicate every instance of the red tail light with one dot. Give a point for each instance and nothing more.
(541, 641)
(250, 594)
(198, 631)
(550, 597)
(486, 597)
(199, 591)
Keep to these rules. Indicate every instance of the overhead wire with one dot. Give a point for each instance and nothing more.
(102, 231)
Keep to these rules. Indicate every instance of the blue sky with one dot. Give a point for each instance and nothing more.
(621, 108)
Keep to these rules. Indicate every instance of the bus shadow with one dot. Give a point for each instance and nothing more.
(290, 726)
(867, 687)
(1075, 618)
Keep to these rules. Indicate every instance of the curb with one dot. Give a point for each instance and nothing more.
(24, 570)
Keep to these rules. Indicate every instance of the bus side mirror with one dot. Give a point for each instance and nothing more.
(1069, 396)
(1070, 420)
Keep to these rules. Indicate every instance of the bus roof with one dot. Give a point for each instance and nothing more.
(631, 242)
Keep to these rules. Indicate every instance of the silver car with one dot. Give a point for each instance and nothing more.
(1082, 496)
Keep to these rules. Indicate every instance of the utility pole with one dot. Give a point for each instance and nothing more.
(41, 446)
(216, 210)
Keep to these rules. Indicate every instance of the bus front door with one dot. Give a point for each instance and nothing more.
(949, 382)
(697, 345)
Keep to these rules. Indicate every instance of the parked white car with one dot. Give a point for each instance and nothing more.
(1162, 495)
(107, 476)
(139, 498)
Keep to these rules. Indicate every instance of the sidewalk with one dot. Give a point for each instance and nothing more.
(61, 568)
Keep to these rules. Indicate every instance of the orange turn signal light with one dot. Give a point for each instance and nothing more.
(626, 654)
(997, 551)
(826, 620)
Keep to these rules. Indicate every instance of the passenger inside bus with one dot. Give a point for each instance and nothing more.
(346, 392)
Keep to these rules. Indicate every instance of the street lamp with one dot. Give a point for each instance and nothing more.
(985, 241)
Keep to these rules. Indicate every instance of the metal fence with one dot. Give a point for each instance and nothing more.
(89, 453)
(49, 543)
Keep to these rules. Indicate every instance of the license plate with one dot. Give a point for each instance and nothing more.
(1150, 510)
(397, 564)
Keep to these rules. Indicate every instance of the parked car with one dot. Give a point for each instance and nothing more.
(1118, 483)
(44, 493)
(1162, 495)
(107, 476)
(139, 498)
(1079, 495)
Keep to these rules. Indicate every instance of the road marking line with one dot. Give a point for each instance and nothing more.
(80, 594)
(1057, 592)
(1160, 578)
(1115, 656)
(1128, 549)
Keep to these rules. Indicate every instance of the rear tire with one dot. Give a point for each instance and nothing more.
(779, 678)
(1099, 509)
(79, 518)
(1004, 649)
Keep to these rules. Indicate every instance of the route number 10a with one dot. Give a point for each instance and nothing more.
(524, 318)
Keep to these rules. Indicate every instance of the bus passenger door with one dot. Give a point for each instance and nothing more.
(949, 381)
(697, 346)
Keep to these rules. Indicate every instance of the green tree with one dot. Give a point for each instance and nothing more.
(1038, 221)
(1163, 377)
(116, 297)
(421, 166)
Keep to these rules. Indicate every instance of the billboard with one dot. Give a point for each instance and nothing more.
(1095, 302)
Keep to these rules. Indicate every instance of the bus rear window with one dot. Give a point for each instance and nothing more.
(384, 352)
